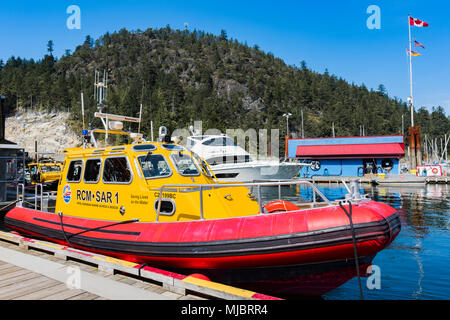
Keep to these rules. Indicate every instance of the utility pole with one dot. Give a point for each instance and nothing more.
(403, 125)
(287, 115)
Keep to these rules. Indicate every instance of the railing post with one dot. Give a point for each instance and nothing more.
(42, 195)
(22, 191)
(201, 203)
(36, 186)
(260, 199)
(35, 196)
(279, 190)
(159, 204)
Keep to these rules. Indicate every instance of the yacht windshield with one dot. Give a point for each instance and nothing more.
(221, 142)
(184, 164)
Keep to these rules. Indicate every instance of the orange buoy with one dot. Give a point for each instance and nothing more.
(277, 206)
(199, 276)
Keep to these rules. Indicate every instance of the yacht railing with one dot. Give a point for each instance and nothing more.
(258, 184)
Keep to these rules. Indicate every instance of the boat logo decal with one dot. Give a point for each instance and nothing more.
(67, 193)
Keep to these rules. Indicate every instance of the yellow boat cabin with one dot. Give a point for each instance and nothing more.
(124, 182)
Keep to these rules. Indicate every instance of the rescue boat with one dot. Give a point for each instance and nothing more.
(156, 203)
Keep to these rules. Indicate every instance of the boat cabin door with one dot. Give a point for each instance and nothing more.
(369, 166)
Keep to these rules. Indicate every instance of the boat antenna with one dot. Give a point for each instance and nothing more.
(82, 110)
(140, 119)
(101, 89)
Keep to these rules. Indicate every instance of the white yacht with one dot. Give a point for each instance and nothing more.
(230, 162)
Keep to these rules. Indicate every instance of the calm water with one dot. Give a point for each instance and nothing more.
(416, 264)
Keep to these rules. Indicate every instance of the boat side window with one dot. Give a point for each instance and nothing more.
(74, 172)
(154, 166)
(116, 170)
(184, 164)
(215, 161)
(92, 170)
(202, 164)
(228, 142)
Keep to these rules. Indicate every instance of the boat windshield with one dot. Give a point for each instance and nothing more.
(154, 166)
(222, 142)
(50, 168)
(184, 164)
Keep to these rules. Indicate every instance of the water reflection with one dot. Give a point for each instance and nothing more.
(426, 206)
(415, 265)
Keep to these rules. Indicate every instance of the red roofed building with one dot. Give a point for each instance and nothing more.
(349, 156)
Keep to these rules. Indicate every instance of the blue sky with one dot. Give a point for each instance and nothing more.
(329, 35)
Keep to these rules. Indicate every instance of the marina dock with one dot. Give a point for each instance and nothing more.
(34, 269)
(387, 180)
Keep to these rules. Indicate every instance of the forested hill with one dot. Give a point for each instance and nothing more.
(181, 76)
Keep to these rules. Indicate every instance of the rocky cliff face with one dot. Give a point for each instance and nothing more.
(50, 129)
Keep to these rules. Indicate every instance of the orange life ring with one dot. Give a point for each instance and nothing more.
(280, 206)
(434, 170)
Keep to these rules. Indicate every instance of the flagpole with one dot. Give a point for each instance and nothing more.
(410, 73)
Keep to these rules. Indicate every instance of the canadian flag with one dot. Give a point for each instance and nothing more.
(417, 22)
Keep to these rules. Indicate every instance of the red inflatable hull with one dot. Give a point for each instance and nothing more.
(307, 252)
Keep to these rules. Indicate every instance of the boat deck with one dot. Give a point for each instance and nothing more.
(39, 270)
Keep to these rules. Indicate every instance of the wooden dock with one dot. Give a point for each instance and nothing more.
(330, 179)
(33, 269)
(21, 284)
(438, 180)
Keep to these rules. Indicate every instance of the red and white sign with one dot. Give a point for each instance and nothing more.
(429, 171)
